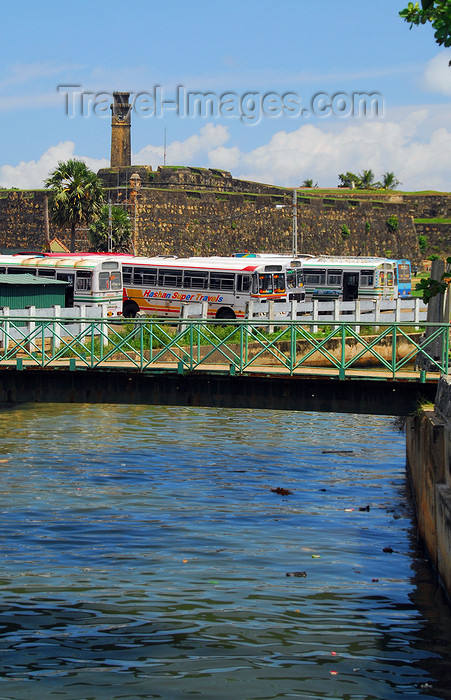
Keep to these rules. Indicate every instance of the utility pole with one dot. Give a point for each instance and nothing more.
(110, 227)
(164, 148)
(295, 224)
(46, 223)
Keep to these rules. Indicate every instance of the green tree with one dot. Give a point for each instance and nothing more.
(347, 179)
(430, 287)
(309, 183)
(345, 232)
(76, 195)
(366, 178)
(390, 181)
(121, 231)
(437, 12)
(392, 223)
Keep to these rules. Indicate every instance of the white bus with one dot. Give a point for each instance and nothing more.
(159, 286)
(350, 278)
(347, 277)
(93, 280)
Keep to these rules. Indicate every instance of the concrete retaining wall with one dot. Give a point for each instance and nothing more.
(428, 445)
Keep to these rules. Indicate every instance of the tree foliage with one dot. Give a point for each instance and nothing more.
(392, 223)
(309, 183)
(121, 231)
(389, 181)
(76, 195)
(365, 181)
(431, 287)
(345, 232)
(437, 12)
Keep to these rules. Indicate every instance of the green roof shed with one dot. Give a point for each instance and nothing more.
(20, 291)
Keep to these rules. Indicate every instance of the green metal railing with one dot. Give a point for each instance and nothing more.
(238, 347)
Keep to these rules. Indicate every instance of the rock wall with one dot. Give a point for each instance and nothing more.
(192, 211)
(428, 444)
(193, 222)
(438, 238)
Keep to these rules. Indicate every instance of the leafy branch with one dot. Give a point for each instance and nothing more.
(431, 288)
(437, 12)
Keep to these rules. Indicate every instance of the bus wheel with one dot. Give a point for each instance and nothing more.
(130, 309)
(225, 313)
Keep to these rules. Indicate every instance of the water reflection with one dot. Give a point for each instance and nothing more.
(145, 554)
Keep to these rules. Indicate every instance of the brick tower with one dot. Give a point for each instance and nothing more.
(121, 153)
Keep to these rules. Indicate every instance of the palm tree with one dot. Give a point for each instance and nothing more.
(121, 230)
(390, 181)
(366, 179)
(309, 183)
(76, 195)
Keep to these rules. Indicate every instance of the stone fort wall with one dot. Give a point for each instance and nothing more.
(195, 211)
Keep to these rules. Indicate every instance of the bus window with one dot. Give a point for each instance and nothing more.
(195, 279)
(84, 280)
(334, 277)
(21, 271)
(265, 284)
(255, 279)
(170, 277)
(390, 278)
(404, 272)
(243, 283)
(144, 276)
(66, 277)
(104, 282)
(115, 280)
(279, 283)
(222, 280)
(69, 295)
(315, 277)
(127, 275)
(366, 278)
(46, 273)
(291, 279)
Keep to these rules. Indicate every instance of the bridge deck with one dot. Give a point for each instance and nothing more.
(375, 373)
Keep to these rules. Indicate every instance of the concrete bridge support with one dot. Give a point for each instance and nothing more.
(428, 444)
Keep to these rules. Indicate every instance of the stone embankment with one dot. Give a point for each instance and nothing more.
(428, 444)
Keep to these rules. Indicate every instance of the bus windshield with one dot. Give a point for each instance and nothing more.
(265, 284)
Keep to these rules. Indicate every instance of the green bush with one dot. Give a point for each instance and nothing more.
(423, 243)
(392, 223)
(345, 232)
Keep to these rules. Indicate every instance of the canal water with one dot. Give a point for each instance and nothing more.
(154, 552)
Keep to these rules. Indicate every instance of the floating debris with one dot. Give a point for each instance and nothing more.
(297, 574)
(281, 491)
(367, 508)
(337, 452)
(316, 556)
(388, 549)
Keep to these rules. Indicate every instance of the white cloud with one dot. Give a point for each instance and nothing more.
(31, 174)
(415, 147)
(313, 152)
(437, 74)
(184, 152)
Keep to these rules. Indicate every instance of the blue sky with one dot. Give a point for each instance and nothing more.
(248, 56)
